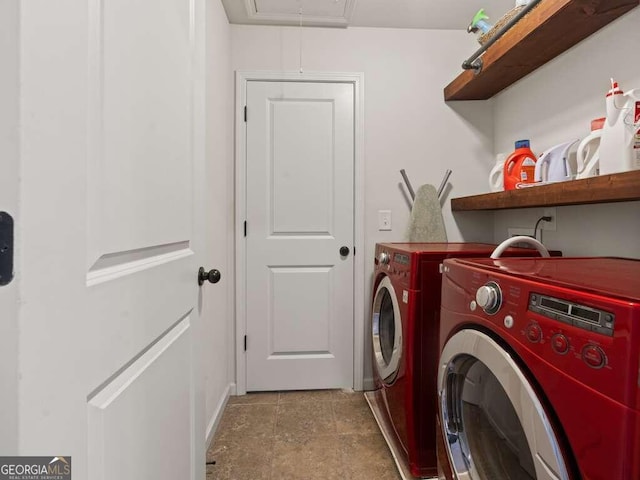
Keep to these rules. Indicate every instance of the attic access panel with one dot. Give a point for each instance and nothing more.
(328, 13)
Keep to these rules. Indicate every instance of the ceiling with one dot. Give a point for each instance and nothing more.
(428, 14)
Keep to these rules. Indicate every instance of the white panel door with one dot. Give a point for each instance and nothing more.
(300, 184)
(111, 133)
(9, 175)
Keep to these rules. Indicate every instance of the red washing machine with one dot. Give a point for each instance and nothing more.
(538, 373)
(405, 326)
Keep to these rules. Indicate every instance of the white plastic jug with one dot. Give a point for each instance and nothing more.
(496, 182)
(620, 142)
(588, 157)
(553, 165)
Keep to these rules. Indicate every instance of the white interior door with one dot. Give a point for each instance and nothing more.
(300, 184)
(9, 178)
(111, 132)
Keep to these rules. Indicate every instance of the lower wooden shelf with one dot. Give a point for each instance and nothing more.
(617, 187)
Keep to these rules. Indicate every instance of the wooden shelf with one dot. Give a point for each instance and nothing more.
(551, 28)
(618, 187)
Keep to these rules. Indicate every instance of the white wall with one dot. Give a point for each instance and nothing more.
(9, 113)
(407, 124)
(556, 103)
(218, 308)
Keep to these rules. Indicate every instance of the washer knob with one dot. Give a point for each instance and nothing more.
(560, 344)
(384, 258)
(594, 356)
(489, 297)
(534, 333)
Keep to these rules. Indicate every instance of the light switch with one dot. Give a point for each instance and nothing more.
(384, 220)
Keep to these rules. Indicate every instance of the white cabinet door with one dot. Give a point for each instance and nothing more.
(300, 187)
(111, 132)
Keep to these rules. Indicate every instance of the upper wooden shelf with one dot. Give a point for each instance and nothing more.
(618, 187)
(544, 33)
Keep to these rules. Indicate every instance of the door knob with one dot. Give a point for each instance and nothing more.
(213, 276)
(344, 251)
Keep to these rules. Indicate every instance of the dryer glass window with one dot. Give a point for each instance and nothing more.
(386, 330)
(489, 432)
(387, 327)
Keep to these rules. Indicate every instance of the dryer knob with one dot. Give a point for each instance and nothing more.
(384, 258)
(489, 297)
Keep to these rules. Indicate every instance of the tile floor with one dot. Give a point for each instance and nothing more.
(324, 434)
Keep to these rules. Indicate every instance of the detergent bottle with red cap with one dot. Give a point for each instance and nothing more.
(519, 167)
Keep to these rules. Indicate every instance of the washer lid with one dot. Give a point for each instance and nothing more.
(608, 276)
(453, 248)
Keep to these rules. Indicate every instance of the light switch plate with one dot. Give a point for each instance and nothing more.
(384, 220)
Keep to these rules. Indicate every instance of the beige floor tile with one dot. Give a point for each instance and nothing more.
(306, 396)
(354, 416)
(337, 395)
(311, 458)
(254, 398)
(247, 421)
(298, 420)
(323, 435)
(247, 458)
(367, 457)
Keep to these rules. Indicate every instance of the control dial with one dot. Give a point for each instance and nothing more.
(560, 344)
(489, 297)
(534, 333)
(594, 356)
(384, 258)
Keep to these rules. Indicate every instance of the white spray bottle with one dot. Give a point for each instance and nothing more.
(553, 165)
(620, 142)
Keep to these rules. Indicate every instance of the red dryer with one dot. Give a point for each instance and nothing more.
(538, 373)
(405, 328)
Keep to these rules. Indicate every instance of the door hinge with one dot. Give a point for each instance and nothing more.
(6, 248)
(245, 113)
(245, 343)
(245, 228)
(354, 251)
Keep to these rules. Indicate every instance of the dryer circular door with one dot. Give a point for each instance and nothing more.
(386, 331)
(493, 423)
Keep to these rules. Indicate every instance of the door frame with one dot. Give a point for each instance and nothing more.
(242, 79)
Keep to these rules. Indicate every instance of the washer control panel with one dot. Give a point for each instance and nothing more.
(490, 297)
(394, 264)
(580, 332)
(581, 316)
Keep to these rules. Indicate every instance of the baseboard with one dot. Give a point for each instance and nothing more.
(217, 413)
